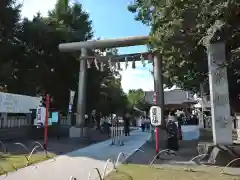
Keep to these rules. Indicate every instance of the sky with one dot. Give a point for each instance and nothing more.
(111, 19)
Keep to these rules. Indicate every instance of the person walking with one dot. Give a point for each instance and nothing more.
(172, 133)
(142, 124)
(126, 119)
(147, 123)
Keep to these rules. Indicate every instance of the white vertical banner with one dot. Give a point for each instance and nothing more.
(40, 116)
(72, 94)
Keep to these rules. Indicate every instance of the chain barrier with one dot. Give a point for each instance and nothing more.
(22, 145)
(161, 152)
(199, 157)
(98, 173)
(117, 133)
(223, 169)
(106, 166)
(121, 154)
(40, 145)
(27, 157)
(72, 178)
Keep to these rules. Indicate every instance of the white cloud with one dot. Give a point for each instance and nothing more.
(137, 78)
(31, 7)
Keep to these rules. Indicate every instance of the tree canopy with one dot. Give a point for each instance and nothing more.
(31, 63)
(180, 30)
(136, 100)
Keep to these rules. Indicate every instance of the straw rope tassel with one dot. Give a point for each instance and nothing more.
(133, 64)
(142, 59)
(126, 63)
(96, 63)
(110, 63)
(101, 66)
(89, 63)
(118, 66)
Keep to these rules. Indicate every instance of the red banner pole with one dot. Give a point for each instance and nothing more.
(46, 122)
(156, 128)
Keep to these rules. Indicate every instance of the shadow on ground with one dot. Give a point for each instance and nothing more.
(186, 152)
(57, 146)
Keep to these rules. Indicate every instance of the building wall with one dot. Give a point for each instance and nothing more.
(21, 127)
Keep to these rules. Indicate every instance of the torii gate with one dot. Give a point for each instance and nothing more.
(86, 52)
(220, 108)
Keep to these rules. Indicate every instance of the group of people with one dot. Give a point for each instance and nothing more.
(145, 123)
(173, 128)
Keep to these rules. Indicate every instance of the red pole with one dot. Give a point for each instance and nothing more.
(46, 122)
(157, 128)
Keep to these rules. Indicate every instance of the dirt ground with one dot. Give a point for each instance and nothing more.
(186, 152)
(54, 145)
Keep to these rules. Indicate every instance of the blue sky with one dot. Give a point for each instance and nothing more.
(111, 19)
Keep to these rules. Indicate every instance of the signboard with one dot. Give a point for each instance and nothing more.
(54, 117)
(155, 115)
(72, 94)
(71, 98)
(190, 132)
(15, 103)
(40, 116)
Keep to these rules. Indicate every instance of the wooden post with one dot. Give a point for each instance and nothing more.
(81, 103)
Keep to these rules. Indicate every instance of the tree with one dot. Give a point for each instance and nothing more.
(136, 101)
(33, 65)
(179, 29)
(40, 66)
(10, 15)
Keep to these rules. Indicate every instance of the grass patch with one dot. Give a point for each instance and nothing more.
(9, 162)
(144, 172)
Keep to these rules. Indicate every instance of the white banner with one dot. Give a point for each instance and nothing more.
(72, 94)
(155, 115)
(40, 116)
(190, 132)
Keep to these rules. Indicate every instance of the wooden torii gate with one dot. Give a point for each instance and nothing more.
(218, 83)
(86, 48)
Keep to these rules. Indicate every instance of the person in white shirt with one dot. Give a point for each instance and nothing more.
(142, 124)
(147, 123)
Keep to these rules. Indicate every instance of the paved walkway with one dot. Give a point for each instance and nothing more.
(80, 162)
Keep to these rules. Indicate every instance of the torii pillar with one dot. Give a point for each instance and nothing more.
(83, 47)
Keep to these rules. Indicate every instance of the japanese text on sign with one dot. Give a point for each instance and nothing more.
(155, 115)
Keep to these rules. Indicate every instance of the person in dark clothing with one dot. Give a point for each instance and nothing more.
(172, 134)
(142, 124)
(194, 120)
(180, 120)
(126, 120)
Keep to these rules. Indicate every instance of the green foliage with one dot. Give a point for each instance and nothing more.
(136, 100)
(31, 63)
(181, 29)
